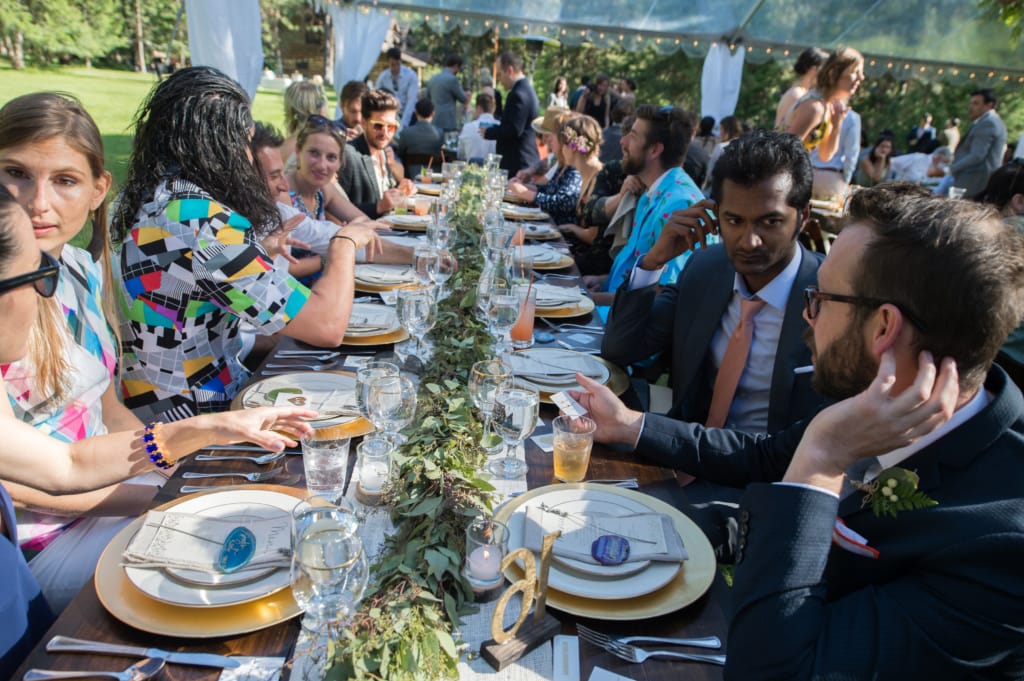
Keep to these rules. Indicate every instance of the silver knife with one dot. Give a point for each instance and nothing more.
(65, 644)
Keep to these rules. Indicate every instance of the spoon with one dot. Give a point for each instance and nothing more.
(141, 670)
(265, 458)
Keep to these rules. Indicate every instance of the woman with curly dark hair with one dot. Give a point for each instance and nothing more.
(192, 266)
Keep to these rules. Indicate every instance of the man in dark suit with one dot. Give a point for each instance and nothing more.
(514, 137)
(420, 140)
(764, 180)
(980, 152)
(370, 174)
(841, 580)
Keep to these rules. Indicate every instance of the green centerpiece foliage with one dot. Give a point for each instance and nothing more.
(403, 630)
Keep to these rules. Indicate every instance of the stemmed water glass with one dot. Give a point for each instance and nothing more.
(515, 417)
(447, 266)
(417, 313)
(329, 572)
(484, 379)
(392, 405)
(425, 260)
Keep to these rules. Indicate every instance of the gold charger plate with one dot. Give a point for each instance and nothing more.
(585, 306)
(562, 263)
(354, 428)
(618, 379)
(513, 214)
(431, 189)
(690, 583)
(396, 336)
(402, 225)
(129, 605)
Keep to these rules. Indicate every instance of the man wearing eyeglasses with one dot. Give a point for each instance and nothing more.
(402, 82)
(763, 181)
(838, 572)
(371, 175)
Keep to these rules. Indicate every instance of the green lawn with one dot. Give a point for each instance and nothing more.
(112, 97)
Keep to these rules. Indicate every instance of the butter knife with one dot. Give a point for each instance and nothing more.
(65, 644)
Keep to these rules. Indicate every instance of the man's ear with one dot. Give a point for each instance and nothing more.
(888, 327)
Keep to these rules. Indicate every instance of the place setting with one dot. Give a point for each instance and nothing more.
(541, 231)
(545, 257)
(517, 212)
(373, 324)
(408, 221)
(553, 370)
(374, 278)
(562, 301)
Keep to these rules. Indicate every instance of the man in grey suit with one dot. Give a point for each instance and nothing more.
(980, 152)
(842, 571)
(446, 93)
(764, 181)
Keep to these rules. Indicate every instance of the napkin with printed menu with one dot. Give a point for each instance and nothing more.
(651, 536)
(549, 295)
(557, 367)
(369, 318)
(194, 542)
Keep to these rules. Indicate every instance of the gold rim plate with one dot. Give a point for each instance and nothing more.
(566, 261)
(584, 307)
(129, 605)
(431, 189)
(690, 583)
(618, 379)
(396, 336)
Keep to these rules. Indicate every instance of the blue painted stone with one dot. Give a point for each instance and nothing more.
(238, 549)
(610, 549)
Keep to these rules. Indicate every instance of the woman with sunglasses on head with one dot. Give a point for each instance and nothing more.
(192, 266)
(47, 462)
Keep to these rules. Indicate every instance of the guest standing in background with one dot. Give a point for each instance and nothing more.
(599, 101)
(806, 67)
(514, 136)
(402, 82)
(560, 93)
(447, 94)
(817, 117)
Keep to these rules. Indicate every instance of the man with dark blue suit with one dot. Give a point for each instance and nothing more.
(836, 576)
(764, 181)
(514, 138)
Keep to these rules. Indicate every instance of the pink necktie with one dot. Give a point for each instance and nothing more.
(733, 361)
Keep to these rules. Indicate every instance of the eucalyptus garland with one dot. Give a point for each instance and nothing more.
(403, 630)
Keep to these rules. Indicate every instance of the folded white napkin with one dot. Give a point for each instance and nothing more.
(194, 542)
(542, 254)
(536, 228)
(549, 295)
(557, 367)
(369, 318)
(407, 219)
(384, 274)
(651, 536)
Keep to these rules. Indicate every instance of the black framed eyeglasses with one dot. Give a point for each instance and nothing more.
(44, 279)
(813, 299)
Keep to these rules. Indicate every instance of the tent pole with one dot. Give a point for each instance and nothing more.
(746, 21)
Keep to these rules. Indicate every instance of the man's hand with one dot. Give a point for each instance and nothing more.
(391, 198)
(353, 132)
(683, 230)
(633, 185)
(277, 242)
(365, 236)
(616, 423)
(407, 186)
(883, 422)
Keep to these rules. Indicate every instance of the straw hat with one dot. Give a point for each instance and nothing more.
(547, 122)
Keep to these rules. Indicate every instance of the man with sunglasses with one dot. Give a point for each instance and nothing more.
(371, 175)
(43, 280)
(763, 181)
(840, 573)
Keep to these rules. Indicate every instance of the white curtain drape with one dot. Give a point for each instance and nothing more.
(227, 35)
(720, 81)
(358, 35)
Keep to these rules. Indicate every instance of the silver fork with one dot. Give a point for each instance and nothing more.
(306, 355)
(251, 477)
(312, 367)
(601, 640)
(638, 655)
(262, 459)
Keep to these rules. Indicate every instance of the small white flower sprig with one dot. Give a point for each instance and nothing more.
(894, 490)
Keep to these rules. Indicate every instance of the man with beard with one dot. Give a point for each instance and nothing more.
(835, 577)
(371, 175)
(350, 103)
(653, 151)
(764, 181)
(513, 137)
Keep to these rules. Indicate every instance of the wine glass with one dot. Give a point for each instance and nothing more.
(503, 313)
(392, 404)
(364, 376)
(491, 278)
(515, 417)
(439, 233)
(425, 260)
(417, 313)
(484, 379)
(447, 266)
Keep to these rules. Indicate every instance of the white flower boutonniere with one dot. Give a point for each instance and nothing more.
(894, 490)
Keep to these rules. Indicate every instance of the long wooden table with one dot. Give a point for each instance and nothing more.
(86, 617)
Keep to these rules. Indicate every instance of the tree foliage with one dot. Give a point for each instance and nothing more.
(1010, 12)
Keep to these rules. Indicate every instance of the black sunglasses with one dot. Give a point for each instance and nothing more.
(44, 279)
(318, 121)
(813, 299)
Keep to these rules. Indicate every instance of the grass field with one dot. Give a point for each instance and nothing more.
(112, 98)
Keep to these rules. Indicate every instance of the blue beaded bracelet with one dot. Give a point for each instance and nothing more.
(149, 439)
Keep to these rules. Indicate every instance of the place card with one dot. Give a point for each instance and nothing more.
(567, 658)
(254, 669)
(545, 442)
(602, 674)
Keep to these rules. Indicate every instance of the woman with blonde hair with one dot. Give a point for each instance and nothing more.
(559, 196)
(580, 142)
(301, 100)
(30, 457)
(806, 67)
(817, 117)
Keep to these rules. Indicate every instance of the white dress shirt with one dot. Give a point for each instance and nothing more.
(406, 87)
(471, 144)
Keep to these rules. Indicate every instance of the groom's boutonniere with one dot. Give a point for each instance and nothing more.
(894, 490)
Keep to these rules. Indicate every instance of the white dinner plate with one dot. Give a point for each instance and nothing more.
(384, 275)
(361, 312)
(227, 505)
(557, 358)
(614, 587)
(408, 220)
(331, 393)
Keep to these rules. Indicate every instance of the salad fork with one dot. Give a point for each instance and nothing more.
(251, 477)
(260, 460)
(639, 655)
(599, 639)
(312, 367)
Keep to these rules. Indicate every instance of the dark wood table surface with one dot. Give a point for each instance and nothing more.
(86, 618)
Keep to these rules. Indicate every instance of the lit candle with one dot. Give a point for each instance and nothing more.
(485, 563)
(373, 475)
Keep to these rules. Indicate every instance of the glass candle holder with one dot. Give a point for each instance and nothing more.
(373, 470)
(486, 546)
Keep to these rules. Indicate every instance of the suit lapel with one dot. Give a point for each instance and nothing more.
(793, 326)
(707, 314)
